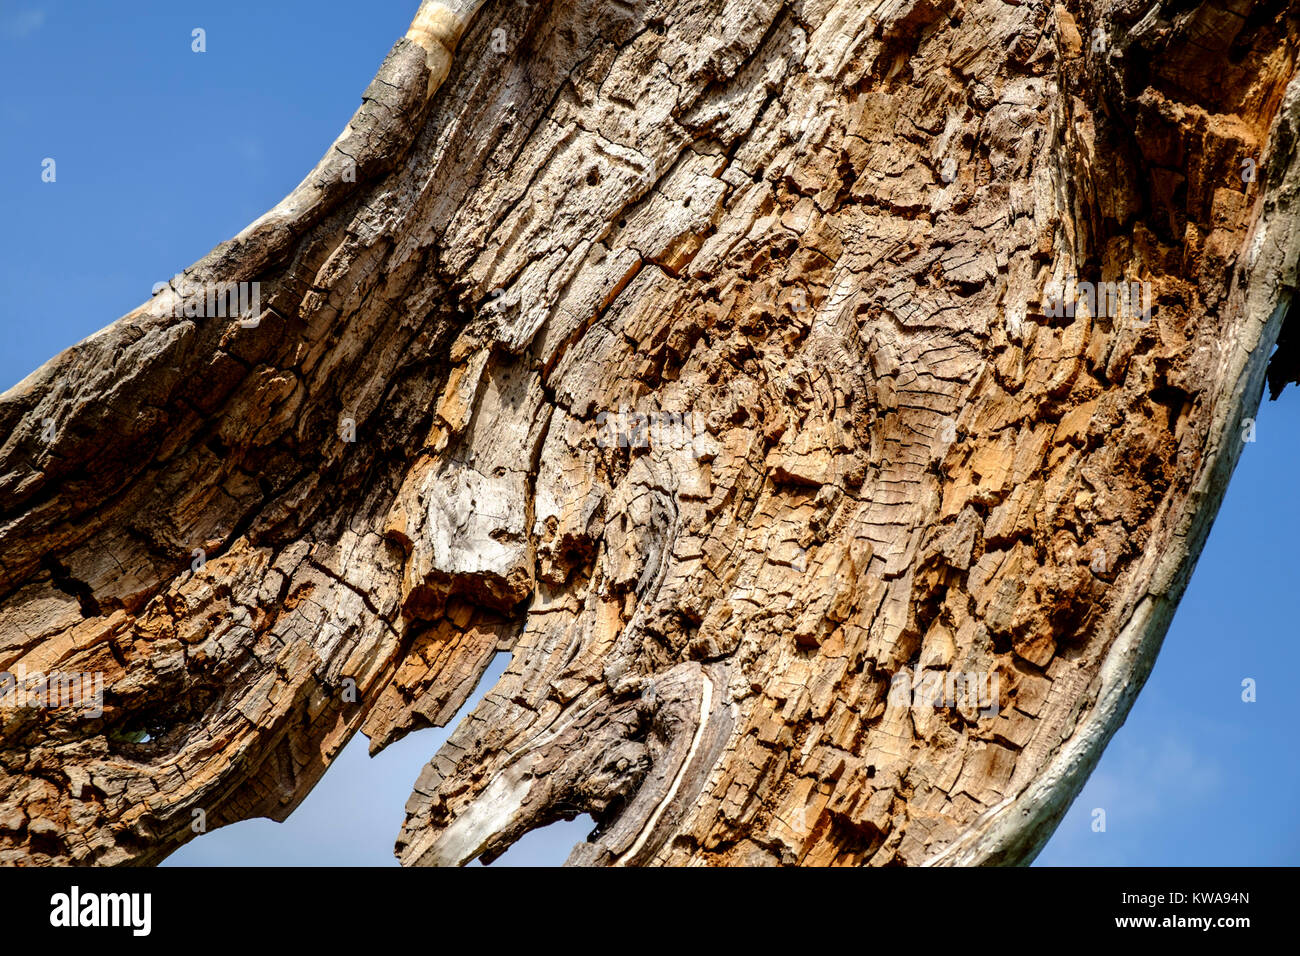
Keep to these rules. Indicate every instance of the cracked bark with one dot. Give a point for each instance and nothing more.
(832, 230)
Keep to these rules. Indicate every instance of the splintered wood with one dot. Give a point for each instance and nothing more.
(763, 376)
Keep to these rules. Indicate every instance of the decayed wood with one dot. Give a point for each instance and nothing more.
(720, 360)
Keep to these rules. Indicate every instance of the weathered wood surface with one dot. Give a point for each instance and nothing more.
(830, 233)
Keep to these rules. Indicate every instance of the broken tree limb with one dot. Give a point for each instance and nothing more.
(824, 403)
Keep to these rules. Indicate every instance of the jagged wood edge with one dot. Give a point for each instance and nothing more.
(1015, 831)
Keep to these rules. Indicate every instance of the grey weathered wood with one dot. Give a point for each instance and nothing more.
(831, 236)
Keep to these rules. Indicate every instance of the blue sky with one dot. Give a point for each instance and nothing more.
(161, 153)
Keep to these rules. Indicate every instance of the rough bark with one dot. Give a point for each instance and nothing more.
(831, 233)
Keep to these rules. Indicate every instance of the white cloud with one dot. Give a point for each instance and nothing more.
(1146, 787)
(24, 23)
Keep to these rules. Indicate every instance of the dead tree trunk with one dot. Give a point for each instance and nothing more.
(735, 364)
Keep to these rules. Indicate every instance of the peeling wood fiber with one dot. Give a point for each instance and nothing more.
(733, 364)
